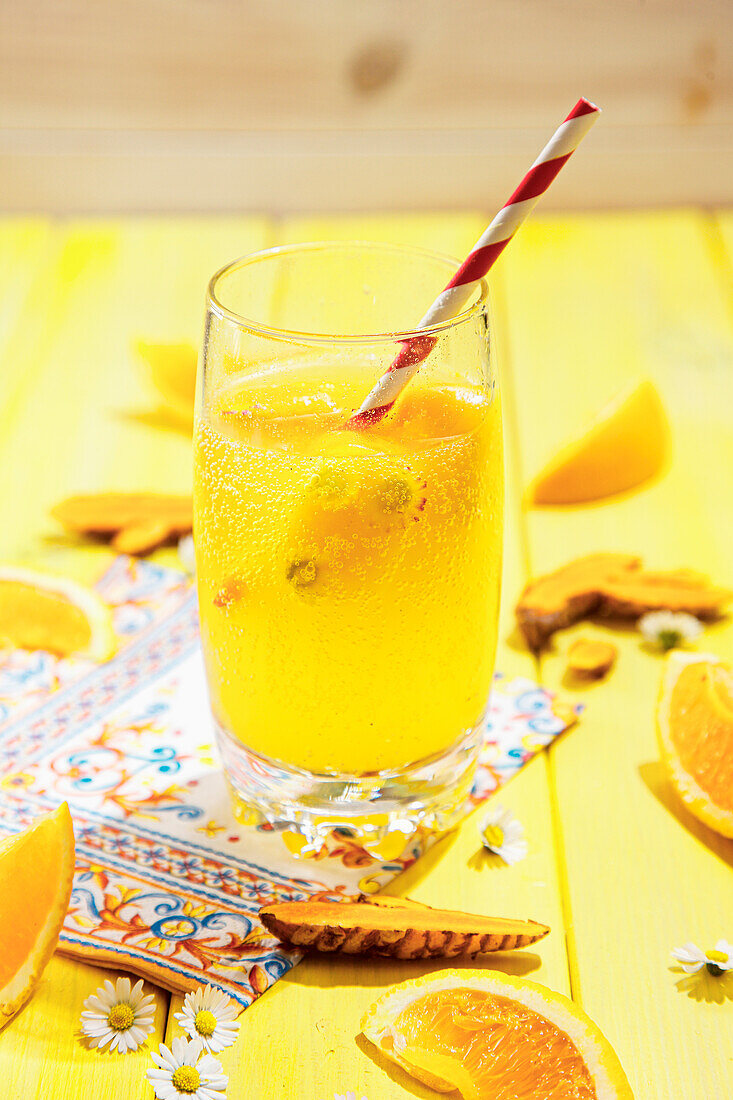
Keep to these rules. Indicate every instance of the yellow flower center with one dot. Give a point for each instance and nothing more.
(121, 1017)
(186, 1079)
(716, 956)
(205, 1022)
(494, 836)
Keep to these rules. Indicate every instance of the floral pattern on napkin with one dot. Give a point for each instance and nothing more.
(168, 883)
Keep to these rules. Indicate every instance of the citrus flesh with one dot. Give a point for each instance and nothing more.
(36, 874)
(53, 614)
(626, 445)
(494, 1037)
(695, 723)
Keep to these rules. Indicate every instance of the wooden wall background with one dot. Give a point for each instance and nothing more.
(346, 104)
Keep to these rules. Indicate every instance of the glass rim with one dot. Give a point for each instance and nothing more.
(215, 305)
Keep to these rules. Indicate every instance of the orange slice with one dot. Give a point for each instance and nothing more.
(695, 727)
(36, 873)
(626, 445)
(494, 1037)
(53, 613)
(173, 371)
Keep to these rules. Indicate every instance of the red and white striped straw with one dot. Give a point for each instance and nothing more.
(480, 259)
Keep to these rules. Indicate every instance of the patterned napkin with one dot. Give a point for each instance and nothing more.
(168, 883)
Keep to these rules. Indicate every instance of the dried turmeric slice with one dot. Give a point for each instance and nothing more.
(591, 658)
(567, 595)
(136, 523)
(141, 538)
(611, 585)
(634, 594)
(396, 927)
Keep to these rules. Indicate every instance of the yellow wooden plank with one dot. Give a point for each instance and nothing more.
(87, 416)
(43, 1055)
(309, 1022)
(592, 302)
(720, 237)
(452, 234)
(26, 250)
(23, 246)
(76, 425)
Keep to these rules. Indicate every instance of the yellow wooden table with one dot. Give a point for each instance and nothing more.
(617, 869)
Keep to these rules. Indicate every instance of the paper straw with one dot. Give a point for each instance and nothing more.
(479, 261)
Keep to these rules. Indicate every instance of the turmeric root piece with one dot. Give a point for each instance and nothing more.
(142, 538)
(561, 598)
(591, 659)
(389, 901)
(634, 594)
(611, 585)
(136, 523)
(397, 927)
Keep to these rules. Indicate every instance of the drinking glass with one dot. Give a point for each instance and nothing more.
(348, 579)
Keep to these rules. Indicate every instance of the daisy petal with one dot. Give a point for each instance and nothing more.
(688, 953)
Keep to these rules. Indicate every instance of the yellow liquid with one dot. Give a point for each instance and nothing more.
(348, 581)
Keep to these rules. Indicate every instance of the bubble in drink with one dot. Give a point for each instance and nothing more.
(365, 640)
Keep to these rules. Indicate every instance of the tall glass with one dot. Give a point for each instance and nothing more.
(348, 580)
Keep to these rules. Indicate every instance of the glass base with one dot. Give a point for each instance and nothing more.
(430, 793)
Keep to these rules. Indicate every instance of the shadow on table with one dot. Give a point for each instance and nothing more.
(399, 1076)
(160, 417)
(484, 860)
(656, 779)
(329, 970)
(407, 880)
(705, 987)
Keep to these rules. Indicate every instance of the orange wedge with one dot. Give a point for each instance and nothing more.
(173, 371)
(626, 445)
(53, 613)
(493, 1037)
(695, 727)
(36, 873)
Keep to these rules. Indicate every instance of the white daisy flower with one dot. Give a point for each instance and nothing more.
(669, 629)
(211, 1016)
(502, 834)
(119, 1014)
(185, 1073)
(187, 555)
(717, 961)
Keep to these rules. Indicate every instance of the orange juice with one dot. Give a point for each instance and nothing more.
(348, 580)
